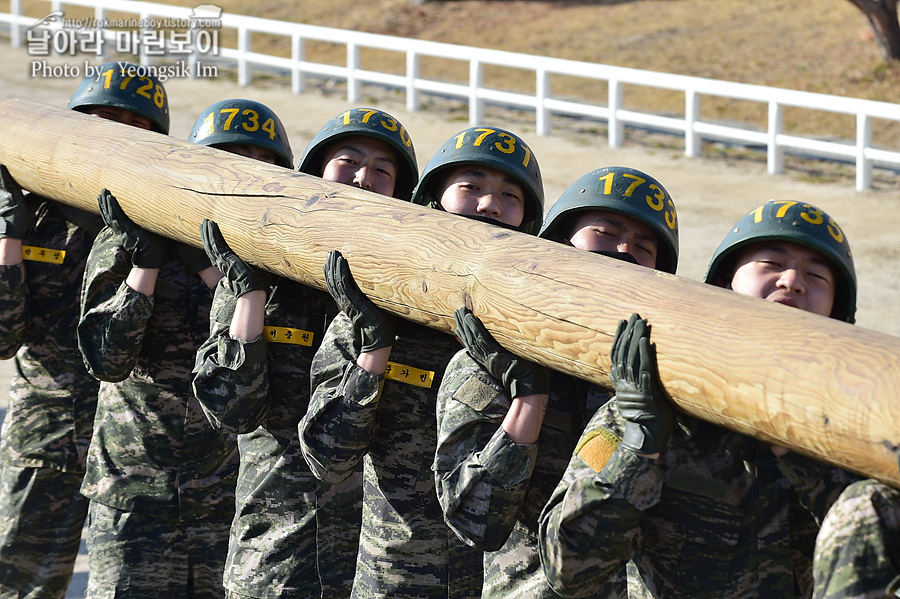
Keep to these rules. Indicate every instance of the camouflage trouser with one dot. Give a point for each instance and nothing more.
(41, 518)
(858, 547)
(338, 522)
(137, 555)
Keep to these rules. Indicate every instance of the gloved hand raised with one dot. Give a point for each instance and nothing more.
(148, 250)
(372, 325)
(16, 216)
(241, 277)
(518, 375)
(649, 415)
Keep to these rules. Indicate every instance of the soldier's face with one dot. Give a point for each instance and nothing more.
(120, 115)
(475, 190)
(787, 273)
(606, 231)
(363, 161)
(254, 152)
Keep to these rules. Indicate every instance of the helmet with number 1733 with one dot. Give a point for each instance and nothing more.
(494, 148)
(797, 222)
(243, 122)
(627, 191)
(127, 86)
(369, 122)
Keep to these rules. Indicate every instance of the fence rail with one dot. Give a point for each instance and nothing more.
(691, 126)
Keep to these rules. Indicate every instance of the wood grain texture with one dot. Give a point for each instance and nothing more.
(815, 385)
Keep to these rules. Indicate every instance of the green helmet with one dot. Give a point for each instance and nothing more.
(370, 122)
(800, 223)
(627, 191)
(243, 122)
(491, 147)
(127, 86)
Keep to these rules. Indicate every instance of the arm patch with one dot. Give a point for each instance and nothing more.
(597, 447)
(476, 394)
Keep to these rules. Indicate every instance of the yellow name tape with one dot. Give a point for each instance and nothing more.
(288, 335)
(409, 375)
(30, 252)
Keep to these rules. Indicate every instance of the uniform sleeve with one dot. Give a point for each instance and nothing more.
(481, 475)
(14, 309)
(113, 316)
(340, 422)
(591, 526)
(816, 483)
(231, 375)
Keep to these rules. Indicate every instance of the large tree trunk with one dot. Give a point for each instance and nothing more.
(813, 384)
(882, 16)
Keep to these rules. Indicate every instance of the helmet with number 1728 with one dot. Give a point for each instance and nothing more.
(127, 86)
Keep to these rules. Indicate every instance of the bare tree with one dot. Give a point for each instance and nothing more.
(882, 16)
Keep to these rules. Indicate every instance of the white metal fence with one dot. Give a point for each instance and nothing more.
(861, 151)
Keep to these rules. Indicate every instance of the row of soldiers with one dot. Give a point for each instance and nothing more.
(230, 432)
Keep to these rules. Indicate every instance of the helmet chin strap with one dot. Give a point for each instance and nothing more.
(623, 256)
(492, 221)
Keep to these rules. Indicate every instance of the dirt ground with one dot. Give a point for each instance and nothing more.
(710, 195)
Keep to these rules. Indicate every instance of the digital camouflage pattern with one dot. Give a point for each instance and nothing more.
(858, 548)
(139, 555)
(491, 489)
(47, 427)
(153, 452)
(718, 515)
(405, 550)
(281, 544)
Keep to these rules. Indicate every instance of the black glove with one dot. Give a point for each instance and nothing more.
(241, 277)
(16, 215)
(148, 250)
(373, 325)
(634, 376)
(518, 375)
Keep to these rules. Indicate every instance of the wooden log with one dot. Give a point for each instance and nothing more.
(818, 386)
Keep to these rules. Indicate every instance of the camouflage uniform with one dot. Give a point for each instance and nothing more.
(491, 489)
(47, 429)
(405, 550)
(718, 515)
(261, 390)
(858, 548)
(167, 476)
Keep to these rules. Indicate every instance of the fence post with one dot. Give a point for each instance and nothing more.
(412, 73)
(775, 153)
(616, 128)
(476, 109)
(352, 66)
(692, 143)
(298, 55)
(15, 37)
(243, 48)
(863, 141)
(542, 90)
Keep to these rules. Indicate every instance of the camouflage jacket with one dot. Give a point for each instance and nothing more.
(153, 450)
(53, 398)
(491, 489)
(718, 515)
(405, 547)
(858, 548)
(261, 390)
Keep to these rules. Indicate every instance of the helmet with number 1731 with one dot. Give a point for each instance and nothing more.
(243, 122)
(494, 148)
(797, 222)
(127, 86)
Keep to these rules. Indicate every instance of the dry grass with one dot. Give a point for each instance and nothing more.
(821, 46)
